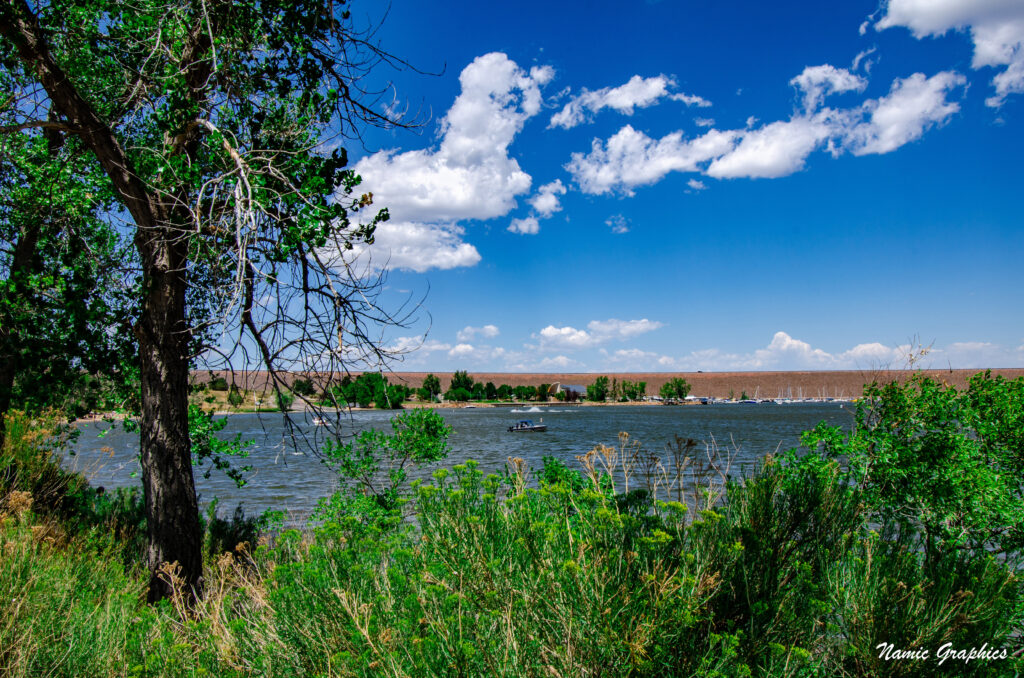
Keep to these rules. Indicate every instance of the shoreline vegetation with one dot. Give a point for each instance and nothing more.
(253, 390)
(876, 552)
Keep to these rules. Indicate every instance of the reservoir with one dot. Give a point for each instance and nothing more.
(288, 475)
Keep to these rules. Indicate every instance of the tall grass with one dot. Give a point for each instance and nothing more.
(565, 573)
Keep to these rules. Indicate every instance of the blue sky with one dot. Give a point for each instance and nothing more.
(681, 186)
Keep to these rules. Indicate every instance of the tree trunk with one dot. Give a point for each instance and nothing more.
(172, 510)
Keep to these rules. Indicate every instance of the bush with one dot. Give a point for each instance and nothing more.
(284, 400)
(303, 387)
(218, 384)
(235, 398)
(803, 568)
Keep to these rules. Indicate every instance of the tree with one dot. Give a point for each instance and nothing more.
(432, 385)
(634, 390)
(461, 380)
(490, 391)
(62, 293)
(676, 387)
(598, 391)
(542, 392)
(478, 391)
(303, 387)
(504, 392)
(524, 393)
(459, 394)
(207, 120)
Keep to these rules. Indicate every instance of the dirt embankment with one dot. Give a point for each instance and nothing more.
(825, 384)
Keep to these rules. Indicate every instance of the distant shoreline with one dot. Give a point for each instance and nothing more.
(784, 384)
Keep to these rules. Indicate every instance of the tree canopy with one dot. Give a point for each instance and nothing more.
(215, 125)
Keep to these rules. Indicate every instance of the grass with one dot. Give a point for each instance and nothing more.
(566, 574)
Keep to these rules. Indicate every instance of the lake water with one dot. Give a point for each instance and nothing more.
(289, 477)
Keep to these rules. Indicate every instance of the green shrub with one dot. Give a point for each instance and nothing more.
(235, 398)
(218, 384)
(303, 387)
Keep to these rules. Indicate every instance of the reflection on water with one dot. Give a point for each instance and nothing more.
(290, 477)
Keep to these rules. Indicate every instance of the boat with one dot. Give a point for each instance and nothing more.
(527, 426)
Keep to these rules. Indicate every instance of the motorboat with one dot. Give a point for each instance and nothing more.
(527, 426)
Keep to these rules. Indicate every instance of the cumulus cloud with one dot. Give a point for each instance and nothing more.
(469, 332)
(526, 226)
(777, 149)
(565, 337)
(469, 176)
(912, 106)
(696, 184)
(545, 202)
(597, 332)
(996, 28)
(817, 82)
(637, 93)
(462, 350)
(785, 352)
(417, 247)
(631, 158)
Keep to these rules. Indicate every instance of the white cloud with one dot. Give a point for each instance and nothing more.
(787, 353)
(545, 202)
(637, 93)
(468, 333)
(527, 226)
(469, 176)
(417, 345)
(417, 247)
(865, 59)
(696, 184)
(817, 82)
(631, 158)
(996, 27)
(775, 150)
(618, 223)
(622, 329)
(704, 122)
(691, 100)
(597, 332)
(565, 337)
(912, 106)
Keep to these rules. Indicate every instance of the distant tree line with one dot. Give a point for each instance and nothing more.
(373, 390)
